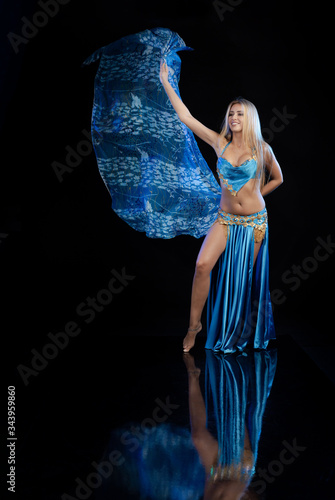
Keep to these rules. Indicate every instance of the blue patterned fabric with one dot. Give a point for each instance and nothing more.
(161, 464)
(149, 160)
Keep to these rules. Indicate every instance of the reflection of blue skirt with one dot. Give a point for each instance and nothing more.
(237, 387)
(239, 311)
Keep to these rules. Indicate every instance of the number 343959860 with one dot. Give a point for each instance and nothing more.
(11, 410)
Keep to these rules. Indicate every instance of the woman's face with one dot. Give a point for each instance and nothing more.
(235, 118)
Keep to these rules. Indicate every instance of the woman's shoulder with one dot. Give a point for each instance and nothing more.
(267, 151)
(221, 143)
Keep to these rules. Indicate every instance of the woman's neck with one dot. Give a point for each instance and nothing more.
(237, 140)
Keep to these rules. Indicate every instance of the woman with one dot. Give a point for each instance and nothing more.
(160, 183)
(242, 158)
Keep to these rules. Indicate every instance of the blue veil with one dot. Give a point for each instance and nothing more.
(149, 160)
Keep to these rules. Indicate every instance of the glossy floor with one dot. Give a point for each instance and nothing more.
(143, 422)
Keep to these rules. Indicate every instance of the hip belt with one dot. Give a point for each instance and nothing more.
(258, 221)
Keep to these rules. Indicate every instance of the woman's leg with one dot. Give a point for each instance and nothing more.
(257, 249)
(213, 246)
(211, 249)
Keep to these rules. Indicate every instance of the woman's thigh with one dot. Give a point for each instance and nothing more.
(212, 247)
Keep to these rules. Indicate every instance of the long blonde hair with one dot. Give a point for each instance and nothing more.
(251, 133)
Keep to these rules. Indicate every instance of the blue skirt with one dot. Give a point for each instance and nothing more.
(239, 311)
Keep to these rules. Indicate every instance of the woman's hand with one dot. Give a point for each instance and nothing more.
(164, 72)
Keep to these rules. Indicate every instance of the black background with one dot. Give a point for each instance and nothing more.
(61, 240)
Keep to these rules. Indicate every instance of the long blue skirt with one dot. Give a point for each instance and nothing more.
(239, 311)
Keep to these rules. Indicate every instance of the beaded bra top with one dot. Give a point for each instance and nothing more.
(234, 178)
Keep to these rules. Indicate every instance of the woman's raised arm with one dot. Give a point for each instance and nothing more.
(210, 136)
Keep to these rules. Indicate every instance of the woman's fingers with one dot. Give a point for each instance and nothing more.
(164, 71)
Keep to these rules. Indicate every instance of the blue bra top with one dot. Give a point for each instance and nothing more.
(234, 178)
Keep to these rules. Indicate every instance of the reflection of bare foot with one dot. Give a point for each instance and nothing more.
(190, 365)
(189, 340)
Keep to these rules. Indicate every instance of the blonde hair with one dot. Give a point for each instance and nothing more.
(251, 133)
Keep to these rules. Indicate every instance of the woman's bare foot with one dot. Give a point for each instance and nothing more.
(189, 340)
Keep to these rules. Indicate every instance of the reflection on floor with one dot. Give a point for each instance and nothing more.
(144, 422)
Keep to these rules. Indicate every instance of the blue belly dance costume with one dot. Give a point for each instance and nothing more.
(237, 176)
(239, 307)
(160, 183)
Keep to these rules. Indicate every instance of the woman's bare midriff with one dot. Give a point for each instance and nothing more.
(247, 201)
